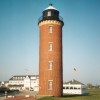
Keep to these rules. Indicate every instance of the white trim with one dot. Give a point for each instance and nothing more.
(50, 42)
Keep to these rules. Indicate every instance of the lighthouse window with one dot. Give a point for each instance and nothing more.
(50, 84)
(50, 65)
(49, 13)
(50, 46)
(50, 29)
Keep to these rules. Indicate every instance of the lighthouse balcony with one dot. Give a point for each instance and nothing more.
(43, 18)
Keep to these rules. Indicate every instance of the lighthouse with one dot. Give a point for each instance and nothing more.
(50, 53)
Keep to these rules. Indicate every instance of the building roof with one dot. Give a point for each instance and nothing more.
(74, 82)
(50, 7)
(23, 76)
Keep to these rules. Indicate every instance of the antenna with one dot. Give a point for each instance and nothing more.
(50, 4)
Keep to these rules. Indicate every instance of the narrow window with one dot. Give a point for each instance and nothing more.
(50, 84)
(49, 13)
(50, 65)
(50, 29)
(50, 46)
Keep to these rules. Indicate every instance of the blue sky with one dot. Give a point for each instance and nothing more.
(19, 38)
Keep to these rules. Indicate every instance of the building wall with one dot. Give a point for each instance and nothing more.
(27, 83)
(53, 75)
(74, 89)
(24, 82)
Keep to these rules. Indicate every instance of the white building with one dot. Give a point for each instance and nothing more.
(0, 84)
(75, 87)
(24, 82)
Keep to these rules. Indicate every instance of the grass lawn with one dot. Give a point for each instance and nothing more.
(94, 94)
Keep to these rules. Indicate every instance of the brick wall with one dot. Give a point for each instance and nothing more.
(54, 75)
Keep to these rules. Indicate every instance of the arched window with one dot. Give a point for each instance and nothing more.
(67, 87)
(71, 87)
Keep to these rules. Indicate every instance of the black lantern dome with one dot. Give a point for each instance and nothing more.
(50, 13)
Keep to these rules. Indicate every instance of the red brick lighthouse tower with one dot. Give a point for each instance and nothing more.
(50, 53)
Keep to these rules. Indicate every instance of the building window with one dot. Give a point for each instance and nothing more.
(71, 87)
(50, 65)
(50, 29)
(50, 84)
(49, 13)
(50, 47)
(64, 87)
(67, 87)
(75, 87)
(79, 88)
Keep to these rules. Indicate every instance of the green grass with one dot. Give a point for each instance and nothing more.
(94, 94)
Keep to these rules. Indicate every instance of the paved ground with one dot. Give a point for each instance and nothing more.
(2, 98)
(24, 95)
(21, 98)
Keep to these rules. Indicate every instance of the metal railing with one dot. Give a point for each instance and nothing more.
(58, 18)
